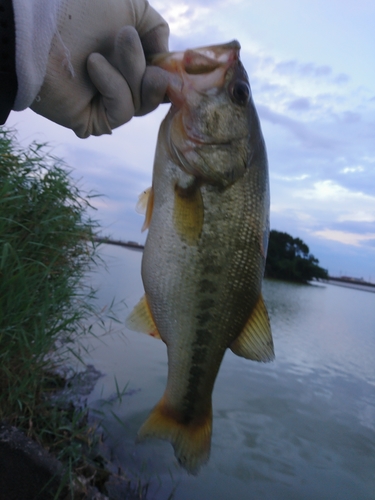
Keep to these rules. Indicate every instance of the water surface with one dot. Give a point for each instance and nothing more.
(302, 427)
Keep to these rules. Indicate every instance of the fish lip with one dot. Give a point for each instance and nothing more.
(159, 58)
(202, 142)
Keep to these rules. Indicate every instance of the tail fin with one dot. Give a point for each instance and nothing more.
(191, 442)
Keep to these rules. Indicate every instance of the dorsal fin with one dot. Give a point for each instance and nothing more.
(255, 341)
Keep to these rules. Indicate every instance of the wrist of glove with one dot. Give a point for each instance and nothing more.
(96, 77)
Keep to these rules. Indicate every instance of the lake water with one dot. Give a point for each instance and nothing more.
(302, 427)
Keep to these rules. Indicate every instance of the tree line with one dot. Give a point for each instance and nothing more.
(289, 259)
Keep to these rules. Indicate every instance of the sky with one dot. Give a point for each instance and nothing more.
(311, 66)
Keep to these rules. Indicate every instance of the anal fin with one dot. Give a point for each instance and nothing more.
(141, 320)
(255, 341)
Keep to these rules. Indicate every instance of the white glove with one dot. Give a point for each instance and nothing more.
(96, 77)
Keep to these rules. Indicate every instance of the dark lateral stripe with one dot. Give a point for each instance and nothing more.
(198, 369)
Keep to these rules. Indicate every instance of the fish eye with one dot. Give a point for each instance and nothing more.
(241, 92)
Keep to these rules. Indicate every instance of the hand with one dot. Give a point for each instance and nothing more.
(97, 77)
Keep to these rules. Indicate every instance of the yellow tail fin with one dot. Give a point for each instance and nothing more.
(191, 442)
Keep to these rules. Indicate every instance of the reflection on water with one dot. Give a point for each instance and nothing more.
(302, 427)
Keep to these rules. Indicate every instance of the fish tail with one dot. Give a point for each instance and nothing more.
(191, 442)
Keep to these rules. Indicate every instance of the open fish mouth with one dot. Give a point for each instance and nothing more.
(200, 60)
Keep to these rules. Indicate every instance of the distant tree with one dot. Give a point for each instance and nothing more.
(289, 259)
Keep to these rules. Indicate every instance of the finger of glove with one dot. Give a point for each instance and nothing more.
(154, 32)
(156, 41)
(115, 92)
(130, 61)
(154, 87)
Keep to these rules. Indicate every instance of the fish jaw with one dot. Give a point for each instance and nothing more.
(211, 112)
(197, 70)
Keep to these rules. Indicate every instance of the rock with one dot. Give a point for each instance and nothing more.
(27, 471)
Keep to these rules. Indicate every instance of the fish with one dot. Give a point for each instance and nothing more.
(207, 215)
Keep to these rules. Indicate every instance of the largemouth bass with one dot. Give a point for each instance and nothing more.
(203, 262)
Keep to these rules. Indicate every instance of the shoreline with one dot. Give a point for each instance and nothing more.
(332, 280)
(354, 284)
(128, 244)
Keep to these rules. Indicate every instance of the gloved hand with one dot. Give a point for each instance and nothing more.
(97, 77)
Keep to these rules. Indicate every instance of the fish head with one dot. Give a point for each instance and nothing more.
(211, 120)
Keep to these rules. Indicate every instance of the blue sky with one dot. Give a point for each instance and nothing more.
(311, 66)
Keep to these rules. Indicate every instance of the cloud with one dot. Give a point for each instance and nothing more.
(310, 70)
(357, 215)
(351, 170)
(306, 136)
(350, 117)
(341, 79)
(285, 67)
(328, 190)
(292, 178)
(354, 239)
(303, 69)
(300, 104)
(188, 17)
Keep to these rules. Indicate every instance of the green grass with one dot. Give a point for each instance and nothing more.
(46, 248)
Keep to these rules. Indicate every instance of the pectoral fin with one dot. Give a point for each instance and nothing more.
(142, 202)
(140, 319)
(255, 341)
(145, 206)
(188, 213)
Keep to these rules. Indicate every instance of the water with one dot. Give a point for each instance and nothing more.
(302, 427)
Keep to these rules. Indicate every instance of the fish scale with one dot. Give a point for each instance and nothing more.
(203, 262)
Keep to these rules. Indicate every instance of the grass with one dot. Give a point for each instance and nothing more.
(46, 248)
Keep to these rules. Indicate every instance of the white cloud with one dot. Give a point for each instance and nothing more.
(339, 203)
(350, 170)
(328, 190)
(368, 159)
(357, 216)
(345, 237)
(182, 17)
(295, 178)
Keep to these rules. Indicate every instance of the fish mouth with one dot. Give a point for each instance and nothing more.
(198, 60)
